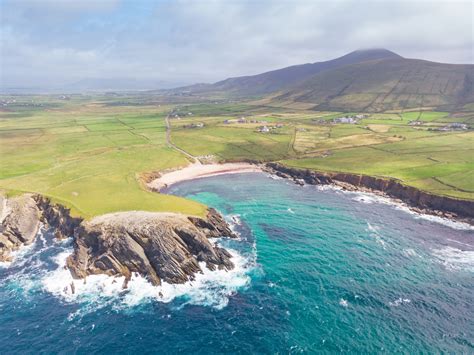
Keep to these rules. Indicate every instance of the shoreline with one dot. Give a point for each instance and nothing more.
(197, 171)
(415, 200)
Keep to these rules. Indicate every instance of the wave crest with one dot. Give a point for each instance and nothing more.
(211, 288)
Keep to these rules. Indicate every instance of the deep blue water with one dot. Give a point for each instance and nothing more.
(319, 271)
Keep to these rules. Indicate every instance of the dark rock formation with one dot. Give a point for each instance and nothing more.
(19, 223)
(423, 201)
(57, 217)
(160, 246)
(215, 226)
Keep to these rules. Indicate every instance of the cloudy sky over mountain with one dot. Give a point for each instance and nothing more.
(55, 42)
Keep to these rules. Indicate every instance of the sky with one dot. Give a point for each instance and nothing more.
(46, 43)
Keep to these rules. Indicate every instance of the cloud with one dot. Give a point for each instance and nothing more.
(62, 41)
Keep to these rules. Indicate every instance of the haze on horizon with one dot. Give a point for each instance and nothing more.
(53, 43)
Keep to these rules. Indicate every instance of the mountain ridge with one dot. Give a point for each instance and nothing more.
(387, 84)
(370, 80)
(274, 80)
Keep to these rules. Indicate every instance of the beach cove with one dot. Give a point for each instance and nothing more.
(358, 274)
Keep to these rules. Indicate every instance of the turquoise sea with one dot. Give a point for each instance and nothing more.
(318, 270)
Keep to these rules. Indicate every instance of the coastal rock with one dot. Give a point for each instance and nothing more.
(57, 217)
(159, 246)
(214, 226)
(20, 222)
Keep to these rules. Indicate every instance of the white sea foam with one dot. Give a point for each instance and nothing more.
(410, 252)
(374, 232)
(370, 198)
(329, 188)
(399, 301)
(211, 288)
(455, 259)
(275, 177)
(441, 220)
(234, 219)
(17, 256)
(372, 228)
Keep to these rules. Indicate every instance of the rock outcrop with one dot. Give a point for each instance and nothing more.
(160, 246)
(20, 223)
(214, 226)
(422, 201)
(57, 217)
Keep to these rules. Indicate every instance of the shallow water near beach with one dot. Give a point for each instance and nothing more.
(317, 270)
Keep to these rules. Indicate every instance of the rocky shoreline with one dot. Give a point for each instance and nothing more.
(417, 200)
(162, 247)
(20, 223)
(168, 247)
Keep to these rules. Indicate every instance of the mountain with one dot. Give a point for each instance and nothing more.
(363, 80)
(385, 84)
(280, 79)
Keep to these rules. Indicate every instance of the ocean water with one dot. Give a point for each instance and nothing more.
(318, 270)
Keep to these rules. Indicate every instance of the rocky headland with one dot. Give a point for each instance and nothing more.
(418, 200)
(158, 246)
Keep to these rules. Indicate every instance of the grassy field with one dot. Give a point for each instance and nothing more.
(382, 144)
(88, 156)
(89, 152)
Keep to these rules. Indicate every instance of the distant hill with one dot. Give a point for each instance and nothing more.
(365, 80)
(280, 79)
(388, 84)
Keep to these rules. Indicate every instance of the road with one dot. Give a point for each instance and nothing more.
(170, 143)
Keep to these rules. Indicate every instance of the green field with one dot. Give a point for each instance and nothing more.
(89, 156)
(89, 152)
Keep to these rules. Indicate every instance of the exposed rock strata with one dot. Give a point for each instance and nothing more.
(214, 226)
(57, 217)
(19, 223)
(160, 246)
(420, 200)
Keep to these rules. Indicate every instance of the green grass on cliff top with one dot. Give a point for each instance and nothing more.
(88, 153)
(88, 156)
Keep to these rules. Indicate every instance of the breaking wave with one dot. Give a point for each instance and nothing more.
(371, 198)
(19, 257)
(399, 301)
(455, 259)
(211, 288)
(40, 267)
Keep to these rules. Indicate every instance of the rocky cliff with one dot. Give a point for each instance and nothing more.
(160, 246)
(57, 217)
(19, 218)
(423, 201)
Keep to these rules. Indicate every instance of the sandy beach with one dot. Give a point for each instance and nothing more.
(198, 170)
